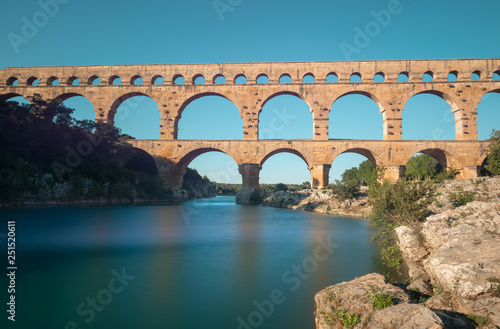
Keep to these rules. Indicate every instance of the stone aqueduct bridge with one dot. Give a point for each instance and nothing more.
(465, 153)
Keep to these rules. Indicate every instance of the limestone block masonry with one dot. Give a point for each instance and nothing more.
(402, 80)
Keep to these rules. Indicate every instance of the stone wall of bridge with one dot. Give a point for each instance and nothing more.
(250, 156)
(463, 95)
(327, 82)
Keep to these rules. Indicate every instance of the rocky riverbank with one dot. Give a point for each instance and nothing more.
(322, 201)
(454, 265)
(44, 190)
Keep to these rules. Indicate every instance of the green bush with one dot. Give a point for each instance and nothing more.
(349, 320)
(344, 190)
(461, 198)
(401, 203)
(493, 153)
(381, 300)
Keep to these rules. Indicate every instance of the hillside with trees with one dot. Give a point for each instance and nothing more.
(48, 156)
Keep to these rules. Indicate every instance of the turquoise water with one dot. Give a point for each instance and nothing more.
(203, 264)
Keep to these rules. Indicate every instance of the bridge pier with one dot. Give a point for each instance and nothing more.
(172, 176)
(394, 172)
(319, 175)
(250, 192)
(469, 172)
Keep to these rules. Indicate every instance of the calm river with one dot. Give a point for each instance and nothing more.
(203, 264)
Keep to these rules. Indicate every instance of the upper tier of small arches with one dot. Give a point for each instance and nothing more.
(259, 73)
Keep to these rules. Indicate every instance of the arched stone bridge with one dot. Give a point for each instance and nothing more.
(251, 85)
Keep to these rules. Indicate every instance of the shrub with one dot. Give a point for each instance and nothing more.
(344, 190)
(493, 153)
(381, 300)
(461, 198)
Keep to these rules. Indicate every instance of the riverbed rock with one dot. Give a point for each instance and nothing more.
(319, 200)
(463, 245)
(356, 297)
(408, 316)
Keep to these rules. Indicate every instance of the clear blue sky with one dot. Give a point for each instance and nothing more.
(146, 32)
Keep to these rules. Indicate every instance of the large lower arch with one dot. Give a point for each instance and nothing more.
(283, 150)
(364, 152)
(292, 164)
(439, 155)
(349, 159)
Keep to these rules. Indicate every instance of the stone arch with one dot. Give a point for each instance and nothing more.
(31, 80)
(188, 157)
(332, 77)
(476, 72)
(11, 80)
(64, 96)
(262, 76)
(134, 79)
(441, 156)
(117, 102)
(51, 80)
(379, 75)
(308, 76)
(114, 78)
(220, 77)
(178, 76)
(430, 74)
(241, 76)
(363, 93)
(6, 97)
(403, 76)
(155, 78)
(197, 77)
(71, 80)
(361, 151)
(418, 91)
(280, 93)
(195, 97)
(134, 158)
(285, 75)
(355, 76)
(452, 75)
(284, 150)
(80, 109)
(93, 78)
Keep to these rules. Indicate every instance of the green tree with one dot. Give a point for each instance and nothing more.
(493, 153)
(281, 187)
(367, 172)
(421, 167)
(401, 203)
(351, 175)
